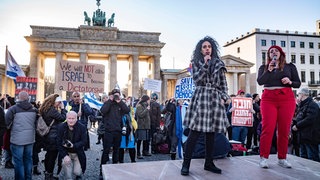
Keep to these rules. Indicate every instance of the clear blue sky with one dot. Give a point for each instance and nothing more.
(181, 22)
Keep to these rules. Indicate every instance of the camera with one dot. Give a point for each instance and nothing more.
(67, 143)
(124, 130)
(116, 97)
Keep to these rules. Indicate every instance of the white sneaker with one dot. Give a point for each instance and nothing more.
(263, 163)
(284, 163)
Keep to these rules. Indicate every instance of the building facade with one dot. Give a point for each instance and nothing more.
(301, 48)
(108, 44)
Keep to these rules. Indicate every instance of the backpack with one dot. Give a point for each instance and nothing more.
(42, 127)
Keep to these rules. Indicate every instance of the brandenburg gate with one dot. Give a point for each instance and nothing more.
(98, 43)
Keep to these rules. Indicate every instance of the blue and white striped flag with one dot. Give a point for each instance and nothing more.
(92, 101)
(13, 69)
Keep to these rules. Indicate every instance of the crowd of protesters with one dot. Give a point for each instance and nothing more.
(140, 126)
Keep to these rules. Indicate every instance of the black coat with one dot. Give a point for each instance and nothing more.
(155, 114)
(112, 113)
(79, 140)
(307, 122)
(48, 116)
(3, 126)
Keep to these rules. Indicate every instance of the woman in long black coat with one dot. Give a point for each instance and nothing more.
(52, 110)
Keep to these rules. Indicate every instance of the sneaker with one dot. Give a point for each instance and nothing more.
(263, 163)
(284, 163)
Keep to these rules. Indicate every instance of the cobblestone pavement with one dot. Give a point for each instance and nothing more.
(93, 161)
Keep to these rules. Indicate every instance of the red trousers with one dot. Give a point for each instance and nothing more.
(277, 109)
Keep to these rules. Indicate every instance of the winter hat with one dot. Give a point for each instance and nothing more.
(240, 91)
(248, 95)
(154, 96)
(304, 91)
(58, 99)
(280, 50)
(115, 91)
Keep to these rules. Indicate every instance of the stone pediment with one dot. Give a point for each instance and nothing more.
(230, 60)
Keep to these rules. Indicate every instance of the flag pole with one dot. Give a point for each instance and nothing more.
(5, 78)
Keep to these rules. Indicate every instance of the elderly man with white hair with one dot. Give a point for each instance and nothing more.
(71, 140)
(307, 125)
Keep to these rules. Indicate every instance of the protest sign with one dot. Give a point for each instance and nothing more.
(242, 115)
(82, 77)
(184, 88)
(28, 84)
(152, 85)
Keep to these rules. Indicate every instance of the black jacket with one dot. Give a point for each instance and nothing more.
(112, 113)
(307, 122)
(79, 140)
(3, 126)
(48, 116)
(155, 114)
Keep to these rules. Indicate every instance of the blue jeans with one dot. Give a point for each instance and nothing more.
(309, 151)
(22, 161)
(239, 133)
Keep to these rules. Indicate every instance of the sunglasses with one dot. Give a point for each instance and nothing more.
(76, 96)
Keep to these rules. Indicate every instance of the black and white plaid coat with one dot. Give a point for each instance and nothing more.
(205, 112)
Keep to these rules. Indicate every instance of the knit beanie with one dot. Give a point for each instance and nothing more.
(279, 49)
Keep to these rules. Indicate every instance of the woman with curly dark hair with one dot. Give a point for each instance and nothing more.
(52, 110)
(206, 112)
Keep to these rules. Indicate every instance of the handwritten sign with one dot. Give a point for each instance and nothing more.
(81, 77)
(184, 88)
(242, 115)
(152, 85)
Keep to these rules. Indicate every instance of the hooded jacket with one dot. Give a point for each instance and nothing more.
(21, 119)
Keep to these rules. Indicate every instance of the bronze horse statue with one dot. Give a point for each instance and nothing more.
(87, 18)
(111, 20)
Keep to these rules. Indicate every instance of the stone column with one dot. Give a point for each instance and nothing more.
(33, 64)
(235, 83)
(83, 57)
(112, 71)
(134, 64)
(164, 89)
(156, 61)
(247, 79)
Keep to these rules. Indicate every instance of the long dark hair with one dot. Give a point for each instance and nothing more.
(198, 56)
(282, 59)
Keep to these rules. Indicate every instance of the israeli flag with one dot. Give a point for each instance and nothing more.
(13, 69)
(92, 101)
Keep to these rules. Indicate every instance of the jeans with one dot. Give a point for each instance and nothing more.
(73, 168)
(309, 151)
(22, 161)
(239, 133)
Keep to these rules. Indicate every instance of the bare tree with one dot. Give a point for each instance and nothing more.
(141, 91)
(49, 85)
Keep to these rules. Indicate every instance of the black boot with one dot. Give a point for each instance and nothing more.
(36, 171)
(185, 167)
(173, 156)
(209, 166)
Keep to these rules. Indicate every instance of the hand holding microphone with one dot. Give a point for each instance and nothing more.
(272, 64)
(207, 57)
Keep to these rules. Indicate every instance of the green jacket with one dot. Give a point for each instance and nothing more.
(143, 117)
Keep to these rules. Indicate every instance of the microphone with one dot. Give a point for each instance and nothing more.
(274, 59)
